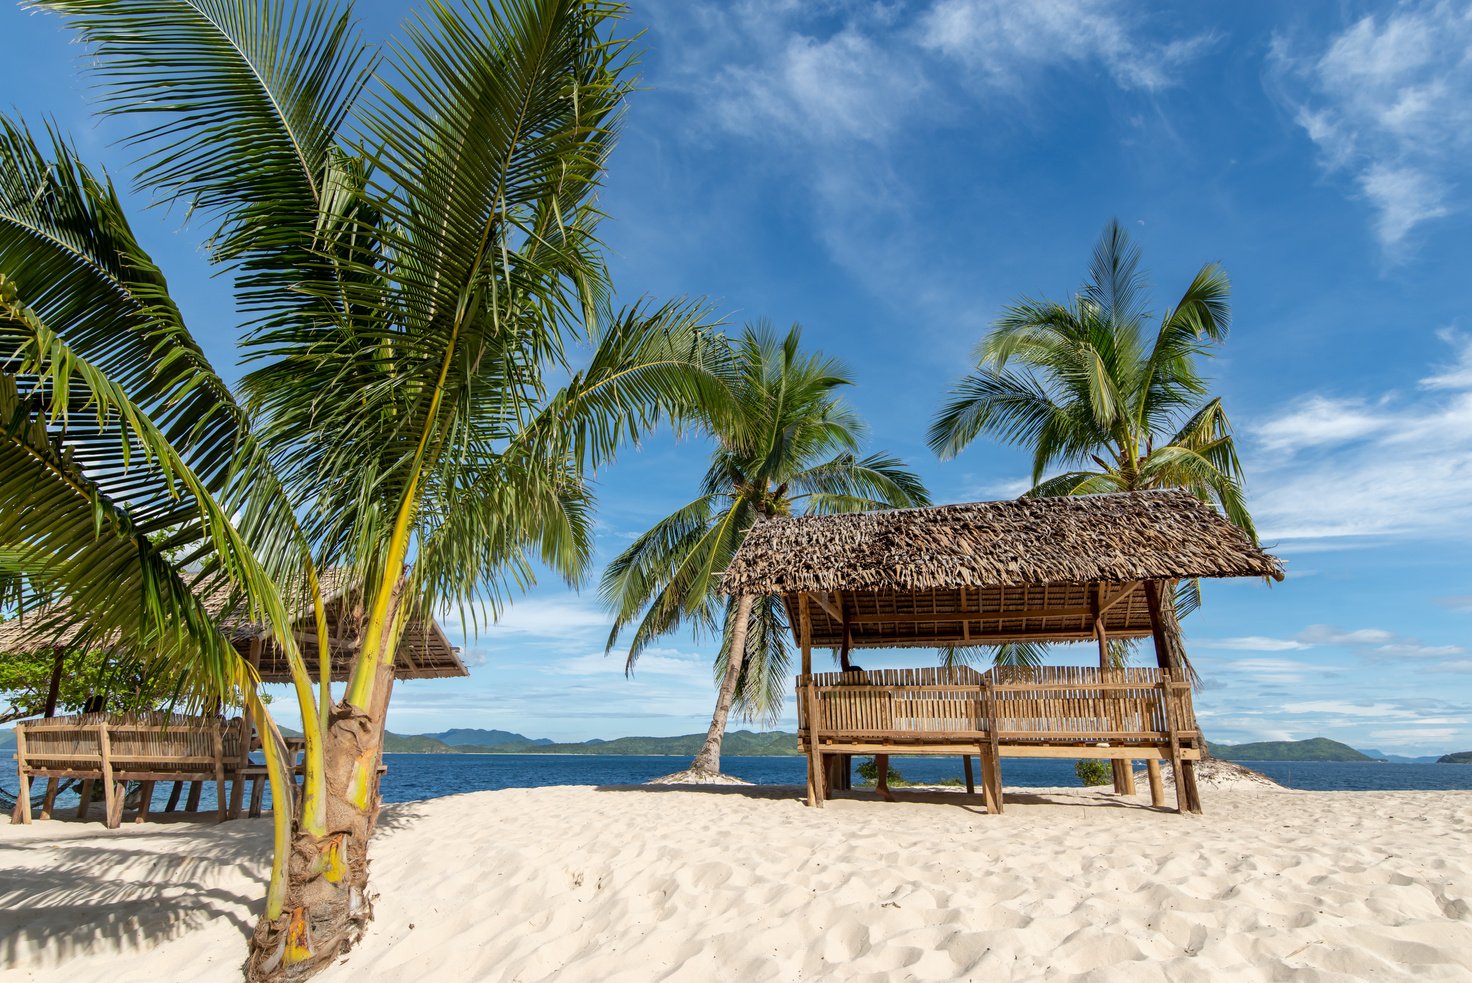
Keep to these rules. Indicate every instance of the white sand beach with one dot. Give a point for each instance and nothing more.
(660, 883)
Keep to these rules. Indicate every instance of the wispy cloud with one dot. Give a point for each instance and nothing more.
(1251, 643)
(839, 95)
(1388, 102)
(1001, 42)
(1341, 468)
(1375, 642)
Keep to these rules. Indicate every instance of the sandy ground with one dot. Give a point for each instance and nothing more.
(744, 884)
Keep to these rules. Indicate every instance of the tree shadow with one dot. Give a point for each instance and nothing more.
(969, 801)
(108, 893)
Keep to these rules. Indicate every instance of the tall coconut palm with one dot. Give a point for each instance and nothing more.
(792, 446)
(412, 240)
(1098, 388)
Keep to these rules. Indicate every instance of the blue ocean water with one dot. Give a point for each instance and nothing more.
(426, 776)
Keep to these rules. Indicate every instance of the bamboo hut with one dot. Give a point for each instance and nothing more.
(112, 748)
(985, 573)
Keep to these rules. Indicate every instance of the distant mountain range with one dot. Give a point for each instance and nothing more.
(1401, 759)
(467, 740)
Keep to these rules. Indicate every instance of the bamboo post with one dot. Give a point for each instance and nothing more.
(110, 794)
(86, 801)
(815, 756)
(991, 763)
(242, 761)
(1167, 693)
(145, 801)
(53, 785)
(983, 754)
(23, 798)
(217, 741)
(1119, 768)
(970, 779)
(1157, 788)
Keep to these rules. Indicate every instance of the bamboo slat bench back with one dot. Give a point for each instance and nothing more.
(1064, 706)
(118, 748)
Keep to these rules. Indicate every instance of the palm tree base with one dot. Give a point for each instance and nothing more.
(693, 776)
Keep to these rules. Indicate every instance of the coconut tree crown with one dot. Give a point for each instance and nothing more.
(790, 444)
(1105, 391)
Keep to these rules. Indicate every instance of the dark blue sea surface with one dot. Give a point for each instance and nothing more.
(426, 776)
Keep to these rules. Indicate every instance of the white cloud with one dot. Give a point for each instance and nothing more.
(1000, 40)
(1252, 643)
(1347, 709)
(1376, 642)
(1321, 420)
(1333, 468)
(1389, 102)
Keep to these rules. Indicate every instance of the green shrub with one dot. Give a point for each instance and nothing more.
(869, 773)
(1092, 771)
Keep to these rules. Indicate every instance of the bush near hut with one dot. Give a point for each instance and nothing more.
(868, 772)
(1093, 772)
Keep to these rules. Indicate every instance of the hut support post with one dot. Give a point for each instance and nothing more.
(991, 752)
(22, 812)
(815, 756)
(1157, 788)
(86, 801)
(237, 787)
(970, 778)
(1124, 771)
(1167, 691)
(145, 801)
(53, 690)
(217, 739)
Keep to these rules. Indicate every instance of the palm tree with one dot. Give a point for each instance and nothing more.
(436, 361)
(1097, 390)
(791, 446)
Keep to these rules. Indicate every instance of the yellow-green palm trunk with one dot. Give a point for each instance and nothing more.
(324, 902)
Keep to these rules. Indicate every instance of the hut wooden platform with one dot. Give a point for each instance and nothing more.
(986, 573)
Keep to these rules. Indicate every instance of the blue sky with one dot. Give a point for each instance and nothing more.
(890, 175)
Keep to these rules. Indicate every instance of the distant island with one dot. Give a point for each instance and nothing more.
(1460, 758)
(471, 741)
(1313, 749)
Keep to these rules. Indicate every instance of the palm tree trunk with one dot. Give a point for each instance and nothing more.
(708, 761)
(327, 905)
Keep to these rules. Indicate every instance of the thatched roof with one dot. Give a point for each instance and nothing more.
(1088, 539)
(1033, 569)
(424, 652)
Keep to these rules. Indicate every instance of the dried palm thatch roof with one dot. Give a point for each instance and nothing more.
(424, 651)
(1033, 569)
(1088, 539)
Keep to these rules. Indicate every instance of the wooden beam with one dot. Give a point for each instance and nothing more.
(949, 617)
(815, 756)
(1157, 625)
(834, 611)
(1127, 591)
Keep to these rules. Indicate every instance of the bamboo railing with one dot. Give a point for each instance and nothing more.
(1047, 711)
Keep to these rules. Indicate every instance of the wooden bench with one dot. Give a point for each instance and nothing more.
(114, 749)
(1127, 714)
